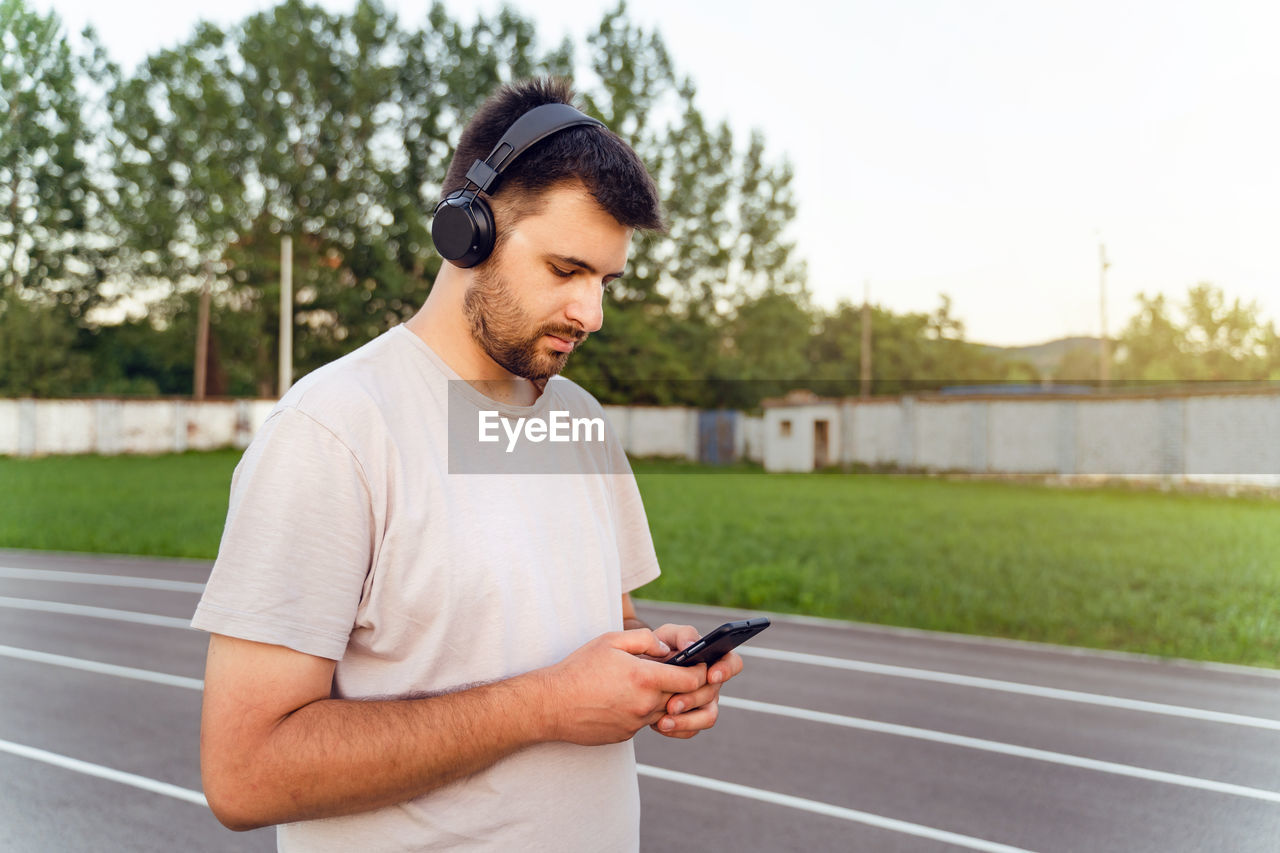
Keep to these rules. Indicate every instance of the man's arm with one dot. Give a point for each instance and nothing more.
(629, 618)
(275, 748)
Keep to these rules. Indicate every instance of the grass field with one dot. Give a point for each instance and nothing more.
(1168, 574)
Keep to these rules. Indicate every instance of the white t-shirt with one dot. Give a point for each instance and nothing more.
(348, 537)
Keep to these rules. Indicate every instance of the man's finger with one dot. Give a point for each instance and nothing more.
(679, 679)
(683, 702)
(640, 641)
(690, 723)
(678, 637)
(725, 668)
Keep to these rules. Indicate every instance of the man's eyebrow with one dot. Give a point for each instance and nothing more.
(578, 262)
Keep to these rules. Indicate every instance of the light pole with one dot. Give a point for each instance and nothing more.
(286, 315)
(1104, 345)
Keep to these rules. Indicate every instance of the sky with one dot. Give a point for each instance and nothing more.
(982, 149)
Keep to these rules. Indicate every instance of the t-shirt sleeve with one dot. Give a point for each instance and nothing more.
(638, 559)
(298, 541)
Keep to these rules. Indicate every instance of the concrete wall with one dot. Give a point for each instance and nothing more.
(1220, 437)
(656, 430)
(112, 426)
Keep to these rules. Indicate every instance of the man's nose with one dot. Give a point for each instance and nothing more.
(586, 309)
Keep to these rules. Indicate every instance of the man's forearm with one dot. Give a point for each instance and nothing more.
(333, 757)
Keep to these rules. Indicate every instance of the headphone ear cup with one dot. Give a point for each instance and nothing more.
(462, 229)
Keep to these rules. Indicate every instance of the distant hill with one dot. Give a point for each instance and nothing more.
(1044, 357)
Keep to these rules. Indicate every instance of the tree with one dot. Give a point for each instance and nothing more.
(727, 211)
(54, 238)
(336, 128)
(1210, 340)
(727, 208)
(333, 128)
(37, 356)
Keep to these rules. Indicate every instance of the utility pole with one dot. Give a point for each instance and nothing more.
(202, 335)
(1104, 345)
(865, 384)
(286, 315)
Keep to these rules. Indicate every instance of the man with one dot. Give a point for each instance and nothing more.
(407, 658)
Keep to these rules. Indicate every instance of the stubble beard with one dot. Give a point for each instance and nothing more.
(500, 328)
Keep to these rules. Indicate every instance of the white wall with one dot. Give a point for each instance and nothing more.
(656, 430)
(1218, 438)
(112, 426)
(877, 433)
(1224, 438)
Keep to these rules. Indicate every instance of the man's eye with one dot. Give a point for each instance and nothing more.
(561, 273)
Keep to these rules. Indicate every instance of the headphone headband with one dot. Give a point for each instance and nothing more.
(525, 132)
(463, 228)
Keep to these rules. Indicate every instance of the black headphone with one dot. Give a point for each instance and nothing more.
(462, 229)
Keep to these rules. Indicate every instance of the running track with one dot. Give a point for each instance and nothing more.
(837, 737)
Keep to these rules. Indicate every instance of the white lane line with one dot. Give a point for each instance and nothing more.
(10, 573)
(764, 708)
(102, 668)
(827, 809)
(96, 612)
(75, 764)
(850, 627)
(1011, 687)
(1002, 748)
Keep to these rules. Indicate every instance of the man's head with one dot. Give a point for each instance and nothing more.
(592, 156)
(532, 304)
(564, 213)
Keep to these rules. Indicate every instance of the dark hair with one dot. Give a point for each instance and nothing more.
(595, 156)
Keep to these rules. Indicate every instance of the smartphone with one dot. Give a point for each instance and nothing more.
(713, 646)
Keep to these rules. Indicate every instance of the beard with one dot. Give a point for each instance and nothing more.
(503, 330)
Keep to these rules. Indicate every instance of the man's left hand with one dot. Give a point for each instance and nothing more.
(689, 713)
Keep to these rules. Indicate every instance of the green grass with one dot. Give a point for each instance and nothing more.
(158, 505)
(1180, 575)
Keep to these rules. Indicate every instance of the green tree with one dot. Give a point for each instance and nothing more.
(37, 355)
(727, 210)
(909, 352)
(336, 128)
(54, 237)
(332, 128)
(1206, 338)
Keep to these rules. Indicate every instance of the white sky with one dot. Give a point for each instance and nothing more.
(979, 149)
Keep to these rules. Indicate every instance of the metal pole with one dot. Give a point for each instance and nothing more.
(202, 336)
(286, 315)
(1104, 345)
(866, 342)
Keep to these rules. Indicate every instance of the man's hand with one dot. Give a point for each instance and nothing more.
(693, 711)
(607, 690)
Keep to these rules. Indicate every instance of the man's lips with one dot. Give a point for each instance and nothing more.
(561, 344)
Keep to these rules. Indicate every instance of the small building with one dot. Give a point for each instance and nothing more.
(801, 432)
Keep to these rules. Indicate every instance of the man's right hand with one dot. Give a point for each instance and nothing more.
(605, 692)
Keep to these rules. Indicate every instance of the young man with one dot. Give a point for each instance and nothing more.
(404, 657)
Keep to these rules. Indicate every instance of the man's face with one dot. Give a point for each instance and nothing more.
(541, 294)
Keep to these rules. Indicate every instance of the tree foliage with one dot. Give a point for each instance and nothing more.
(54, 235)
(1206, 338)
(335, 128)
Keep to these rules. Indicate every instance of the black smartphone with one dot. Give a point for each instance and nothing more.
(713, 646)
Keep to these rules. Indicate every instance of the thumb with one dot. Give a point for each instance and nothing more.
(641, 641)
